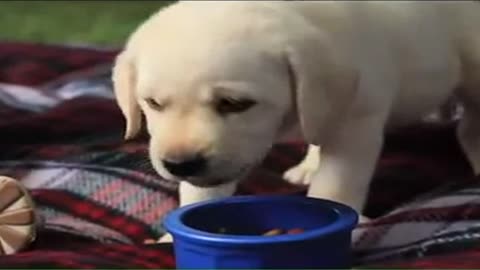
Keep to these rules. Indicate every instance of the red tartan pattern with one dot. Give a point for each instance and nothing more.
(34, 64)
(94, 213)
(94, 256)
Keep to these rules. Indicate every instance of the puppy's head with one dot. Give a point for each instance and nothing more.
(216, 85)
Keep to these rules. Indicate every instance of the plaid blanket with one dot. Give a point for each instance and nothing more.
(98, 197)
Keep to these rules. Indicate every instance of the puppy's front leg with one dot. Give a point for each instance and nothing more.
(348, 162)
(189, 194)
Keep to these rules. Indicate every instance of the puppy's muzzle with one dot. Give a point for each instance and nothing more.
(186, 167)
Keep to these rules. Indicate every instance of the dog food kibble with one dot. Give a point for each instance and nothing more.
(295, 231)
(273, 232)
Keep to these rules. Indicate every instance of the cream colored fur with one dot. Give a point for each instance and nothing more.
(342, 71)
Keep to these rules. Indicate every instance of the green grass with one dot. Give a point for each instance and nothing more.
(104, 23)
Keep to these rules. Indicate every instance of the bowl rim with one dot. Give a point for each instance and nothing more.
(347, 219)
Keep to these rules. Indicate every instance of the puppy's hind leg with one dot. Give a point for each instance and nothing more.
(468, 131)
(301, 173)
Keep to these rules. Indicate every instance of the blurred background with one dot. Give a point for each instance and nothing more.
(100, 23)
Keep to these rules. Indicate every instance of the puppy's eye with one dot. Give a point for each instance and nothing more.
(153, 104)
(227, 105)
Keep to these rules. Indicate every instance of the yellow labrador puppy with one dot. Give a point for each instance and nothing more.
(220, 82)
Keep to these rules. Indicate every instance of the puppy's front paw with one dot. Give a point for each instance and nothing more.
(166, 238)
(301, 174)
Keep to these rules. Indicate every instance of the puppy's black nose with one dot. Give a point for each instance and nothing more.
(186, 167)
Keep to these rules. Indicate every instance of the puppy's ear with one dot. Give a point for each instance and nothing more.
(323, 85)
(124, 83)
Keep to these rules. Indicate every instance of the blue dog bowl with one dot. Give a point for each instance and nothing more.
(324, 244)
